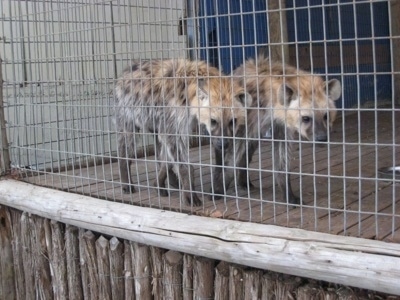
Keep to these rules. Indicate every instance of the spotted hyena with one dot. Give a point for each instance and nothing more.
(286, 100)
(166, 97)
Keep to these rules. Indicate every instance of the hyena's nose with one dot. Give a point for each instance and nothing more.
(222, 143)
(321, 138)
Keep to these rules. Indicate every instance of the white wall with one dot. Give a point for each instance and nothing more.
(60, 63)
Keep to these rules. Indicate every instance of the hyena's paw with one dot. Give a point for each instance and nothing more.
(294, 200)
(128, 189)
(163, 192)
(173, 180)
(244, 181)
(192, 199)
(246, 184)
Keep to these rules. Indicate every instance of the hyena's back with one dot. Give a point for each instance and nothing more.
(152, 95)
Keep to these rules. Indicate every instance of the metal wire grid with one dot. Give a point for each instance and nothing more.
(62, 59)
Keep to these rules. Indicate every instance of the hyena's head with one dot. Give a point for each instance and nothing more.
(221, 109)
(309, 105)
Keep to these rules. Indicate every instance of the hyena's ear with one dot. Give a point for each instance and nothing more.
(202, 93)
(286, 94)
(334, 89)
(245, 99)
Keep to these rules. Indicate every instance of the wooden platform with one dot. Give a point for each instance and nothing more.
(339, 185)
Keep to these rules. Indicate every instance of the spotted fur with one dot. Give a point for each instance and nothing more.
(166, 97)
(289, 100)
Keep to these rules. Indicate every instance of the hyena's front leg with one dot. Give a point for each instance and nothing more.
(159, 182)
(282, 154)
(244, 162)
(186, 176)
(222, 177)
(164, 172)
(124, 162)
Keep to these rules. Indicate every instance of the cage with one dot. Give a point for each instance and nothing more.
(62, 61)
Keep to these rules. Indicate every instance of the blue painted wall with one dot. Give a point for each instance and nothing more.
(232, 30)
(358, 26)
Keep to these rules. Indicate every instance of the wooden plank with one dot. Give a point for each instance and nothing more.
(282, 286)
(128, 271)
(293, 251)
(117, 268)
(90, 274)
(173, 275)
(27, 253)
(7, 285)
(157, 272)
(17, 249)
(103, 266)
(40, 262)
(236, 286)
(57, 258)
(252, 284)
(203, 278)
(187, 276)
(75, 290)
(142, 270)
(222, 281)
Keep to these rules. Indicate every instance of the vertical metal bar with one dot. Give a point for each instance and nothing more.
(191, 28)
(5, 163)
(114, 55)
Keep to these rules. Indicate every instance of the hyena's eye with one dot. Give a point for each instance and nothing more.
(214, 122)
(306, 119)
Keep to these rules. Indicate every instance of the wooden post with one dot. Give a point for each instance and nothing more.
(103, 265)
(142, 271)
(90, 272)
(203, 278)
(26, 232)
(57, 258)
(187, 276)
(236, 290)
(17, 254)
(5, 163)
(157, 272)
(395, 26)
(173, 275)
(252, 284)
(7, 286)
(73, 264)
(278, 36)
(128, 271)
(117, 268)
(221, 280)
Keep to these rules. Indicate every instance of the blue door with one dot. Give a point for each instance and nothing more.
(349, 41)
(231, 31)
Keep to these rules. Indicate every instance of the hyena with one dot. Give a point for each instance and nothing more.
(286, 100)
(166, 97)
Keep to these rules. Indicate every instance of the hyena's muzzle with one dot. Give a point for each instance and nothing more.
(220, 139)
(315, 130)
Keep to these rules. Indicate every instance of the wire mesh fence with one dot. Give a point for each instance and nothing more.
(281, 112)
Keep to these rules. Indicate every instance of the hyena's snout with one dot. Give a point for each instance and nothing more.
(221, 143)
(323, 137)
(320, 133)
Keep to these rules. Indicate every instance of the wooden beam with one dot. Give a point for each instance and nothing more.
(395, 26)
(278, 35)
(345, 260)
